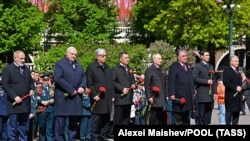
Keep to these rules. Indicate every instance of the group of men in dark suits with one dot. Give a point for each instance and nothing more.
(117, 85)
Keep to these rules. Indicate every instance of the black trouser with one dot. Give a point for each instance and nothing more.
(182, 118)
(232, 118)
(157, 116)
(204, 113)
(122, 114)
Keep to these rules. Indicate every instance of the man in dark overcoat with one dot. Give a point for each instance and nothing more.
(124, 84)
(70, 82)
(205, 83)
(233, 87)
(99, 75)
(18, 85)
(155, 76)
(181, 86)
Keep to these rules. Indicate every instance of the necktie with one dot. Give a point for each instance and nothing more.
(236, 71)
(185, 67)
(21, 70)
(126, 69)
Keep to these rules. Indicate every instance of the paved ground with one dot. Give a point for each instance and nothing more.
(244, 119)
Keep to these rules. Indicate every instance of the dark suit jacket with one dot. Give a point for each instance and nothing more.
(181, 84)
(67, 79)
(231, 80)
(16, 84)
(155, 77)
(97, 77)
(201, 75)
(122, 80)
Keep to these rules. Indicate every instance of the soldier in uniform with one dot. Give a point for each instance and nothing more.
(45, 105)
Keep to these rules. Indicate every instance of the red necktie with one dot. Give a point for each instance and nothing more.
(185, 67)
(236, 71)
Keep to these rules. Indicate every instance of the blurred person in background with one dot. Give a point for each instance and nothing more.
(3, 113)
(246, 93)
(221, 102)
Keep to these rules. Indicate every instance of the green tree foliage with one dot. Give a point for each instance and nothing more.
(241, 19)
(197, 23)
(165, 49)
(2, 66)
(143, 12)
(81, 20)
(20, 26)
(86, 54)
(168, 53)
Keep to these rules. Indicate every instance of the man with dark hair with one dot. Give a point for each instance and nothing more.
(181, 88)
(124, 84)
(205, 83)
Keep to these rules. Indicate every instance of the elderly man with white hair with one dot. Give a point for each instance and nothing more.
(70, 82)
(99, 80)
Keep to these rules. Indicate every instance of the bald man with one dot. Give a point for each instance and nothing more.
(17, 82)
(69, 80)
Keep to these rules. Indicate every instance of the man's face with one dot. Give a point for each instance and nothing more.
(182, 57)
(125, 59)
(101, 58)
(157, 60)
(235, 62)
(20, 59)
(205, 57)
(36, 76)
(71, 55)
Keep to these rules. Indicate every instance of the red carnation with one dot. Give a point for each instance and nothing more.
(156, 89)
(102, 89)
(182, 100)
(211, 71)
